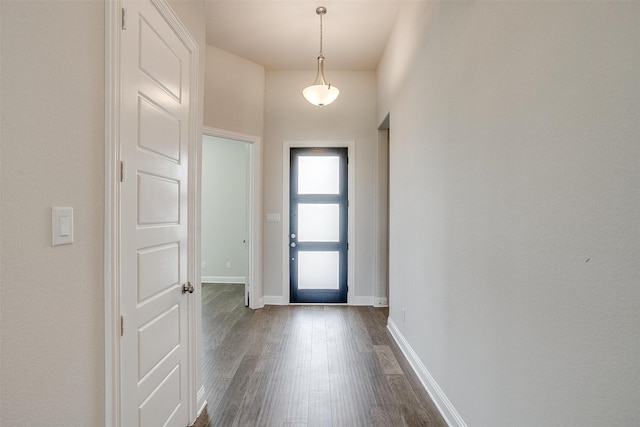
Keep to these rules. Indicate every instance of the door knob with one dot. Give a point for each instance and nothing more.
(187, 287)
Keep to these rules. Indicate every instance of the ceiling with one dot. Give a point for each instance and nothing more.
(285, 35)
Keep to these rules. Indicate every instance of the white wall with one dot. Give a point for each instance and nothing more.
(52, 154)
(234, 103)
(514, 178)
(224, 213)
(52, 304)
(290, 118)
(234, 93)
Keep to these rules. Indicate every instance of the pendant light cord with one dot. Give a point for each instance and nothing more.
(321, 33)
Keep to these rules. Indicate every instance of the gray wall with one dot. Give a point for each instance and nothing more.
(514, 177)
(224, 213)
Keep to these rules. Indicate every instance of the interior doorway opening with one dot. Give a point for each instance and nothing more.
(225, 212)
(236, 172)
(381, 296)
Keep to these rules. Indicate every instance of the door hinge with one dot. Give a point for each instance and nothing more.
(123, 171)
(124, 18)
(121, 326)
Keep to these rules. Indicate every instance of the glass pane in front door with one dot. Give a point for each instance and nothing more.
(318, 225)
(318, 175)
(318, 270)
(318, 222)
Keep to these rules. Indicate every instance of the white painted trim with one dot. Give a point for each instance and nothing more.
(355, 300)
(449, 413)
(202, 402)
(254, 270)
(111, 145)
(376, 222)
(380, 302)
(378, 236)
(286, 159)
(223, 279)
(275, 300)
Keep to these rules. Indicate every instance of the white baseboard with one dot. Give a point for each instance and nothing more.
(202, 403)
(380, 302)
(274, 300)
(260, 303)
(367, 301)
(361, 300)
(223, 279)
(449, 413)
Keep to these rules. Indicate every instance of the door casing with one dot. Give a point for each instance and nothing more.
(286, 160)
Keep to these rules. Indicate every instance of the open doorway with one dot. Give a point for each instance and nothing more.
(237, 216)
(225, 212)
(222, 304)
(381, 296)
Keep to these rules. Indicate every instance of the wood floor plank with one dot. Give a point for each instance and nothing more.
(252, 403)
(414, 412)
(317, 366)
(387, 360)
(385, 416)
(320, 409)
(228, 410)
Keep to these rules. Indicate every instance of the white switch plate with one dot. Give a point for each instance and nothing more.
(273, 217)
(61, 226)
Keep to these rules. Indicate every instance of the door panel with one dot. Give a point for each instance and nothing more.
(158, 269)
(155, 114)
(318, 225)
(159, 130)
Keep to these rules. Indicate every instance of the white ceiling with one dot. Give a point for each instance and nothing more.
(285, 35)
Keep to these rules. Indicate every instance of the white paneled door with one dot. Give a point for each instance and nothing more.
(154, 288)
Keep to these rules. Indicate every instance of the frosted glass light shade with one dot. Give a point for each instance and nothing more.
(320, 95)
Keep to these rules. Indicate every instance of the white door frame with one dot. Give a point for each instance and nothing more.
(254, 213)
(286, 172)
(113, 22)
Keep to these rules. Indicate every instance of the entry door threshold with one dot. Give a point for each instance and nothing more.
(318, 303)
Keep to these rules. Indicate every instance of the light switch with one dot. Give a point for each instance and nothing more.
(61, 226)
(65, 225)
(273, 217)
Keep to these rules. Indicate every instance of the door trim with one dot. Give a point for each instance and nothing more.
(113, 20)
(286, 160)
(254, 212)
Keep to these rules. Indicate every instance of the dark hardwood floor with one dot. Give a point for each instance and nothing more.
(305, 366)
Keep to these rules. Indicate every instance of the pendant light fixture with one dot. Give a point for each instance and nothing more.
(320, 93)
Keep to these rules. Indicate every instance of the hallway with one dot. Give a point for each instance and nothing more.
(305, 366)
